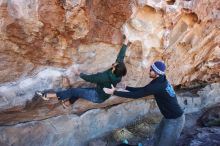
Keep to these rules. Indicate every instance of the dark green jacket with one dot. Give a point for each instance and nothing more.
(106, 78)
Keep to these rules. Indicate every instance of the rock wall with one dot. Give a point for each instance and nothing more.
(35, 34)
(71, 129)
(38, 33)
(42, 41)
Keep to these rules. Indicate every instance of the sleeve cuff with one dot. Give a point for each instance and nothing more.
(81, 75)
(124, 45)
(114, 92)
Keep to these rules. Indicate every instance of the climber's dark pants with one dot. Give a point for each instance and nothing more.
(75, 93)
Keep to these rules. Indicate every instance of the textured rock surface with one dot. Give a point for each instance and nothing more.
(192, 134)
(49, 32)
(203, 137)
(43, 40)
(65, 34)
(195, 135)
(36, 109)
(69, 129)
(211, 117)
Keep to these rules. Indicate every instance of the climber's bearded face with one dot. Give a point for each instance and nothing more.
(153, 74)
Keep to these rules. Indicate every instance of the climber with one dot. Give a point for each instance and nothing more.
(173, 119)
(102, 79)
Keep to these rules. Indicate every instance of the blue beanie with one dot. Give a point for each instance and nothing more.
(159, 67)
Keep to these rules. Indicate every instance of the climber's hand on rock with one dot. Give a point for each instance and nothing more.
(76, 71)
(126, 41)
